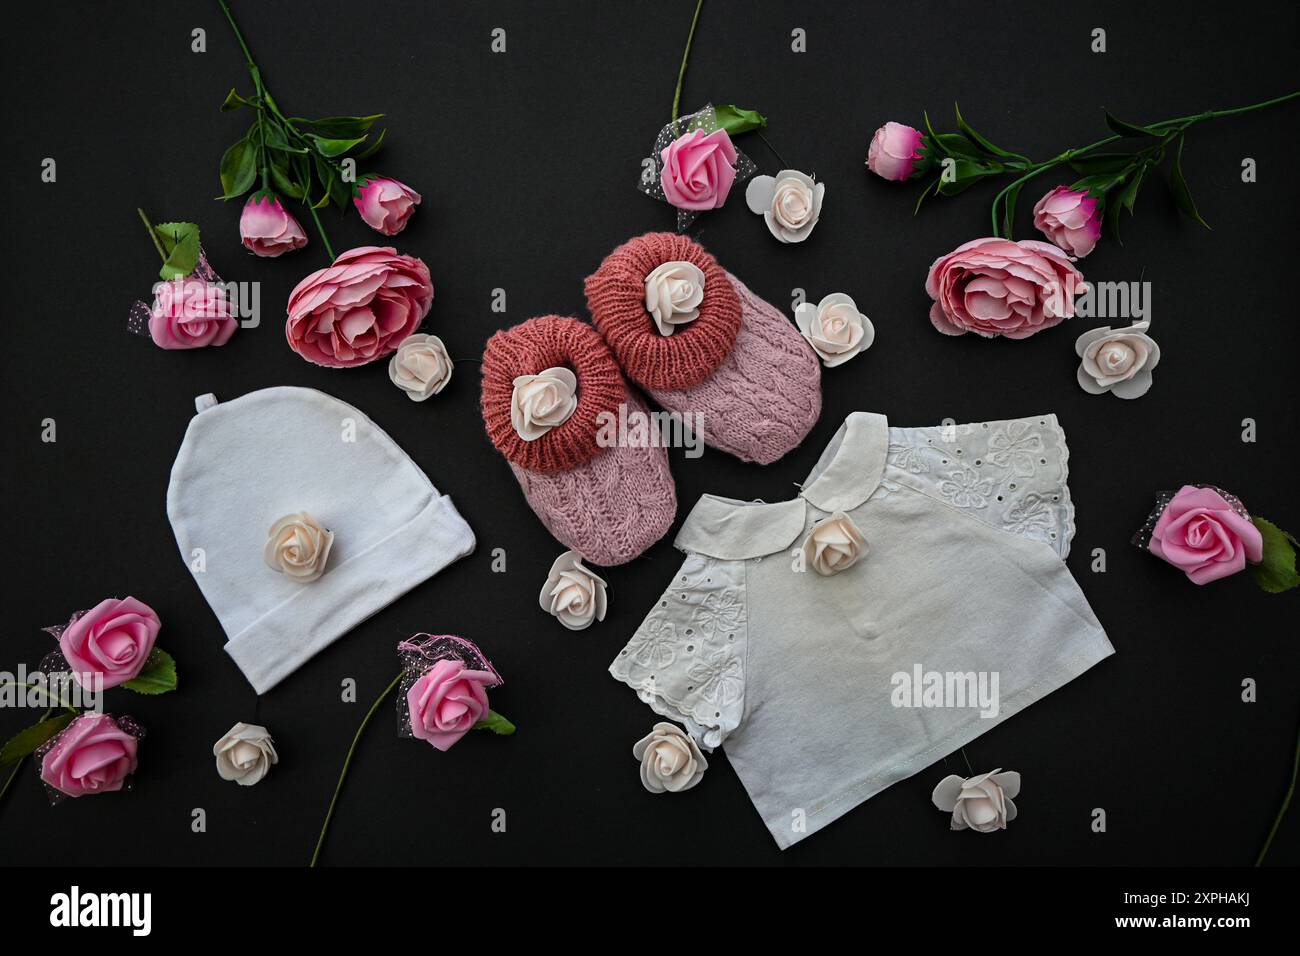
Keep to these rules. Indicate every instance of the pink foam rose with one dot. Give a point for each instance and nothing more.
(1070, 218)
(91, 755)
(699, 169)
(998, 287)
(112, 640)
(360, 308)
(385, 204)
(1200, 534)
(894, 150)
(267, 229)
(447, 701)
(190, 313)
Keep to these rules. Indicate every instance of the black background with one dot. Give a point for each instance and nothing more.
(527, 161)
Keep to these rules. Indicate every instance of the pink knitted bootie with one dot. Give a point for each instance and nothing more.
(551, 390)
(698, 341)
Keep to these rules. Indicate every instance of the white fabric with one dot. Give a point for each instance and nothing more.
(246, 463)
(795, 672)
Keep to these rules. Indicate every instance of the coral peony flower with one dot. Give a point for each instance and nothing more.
(1070, 218)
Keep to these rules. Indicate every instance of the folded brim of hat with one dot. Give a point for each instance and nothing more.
(739, 368)
(604, 493)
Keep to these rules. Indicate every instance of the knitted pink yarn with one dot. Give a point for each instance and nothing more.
(610, 508)
(765, 397)
(529, 348)
(616, 298)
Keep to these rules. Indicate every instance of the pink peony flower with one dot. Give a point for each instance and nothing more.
(699, 169)
(93, 754)
(447, 701)
(999, 287)
(1201, 534)
(266, 229)
(894, 150)
(112, 640)
(360, 308)
(190, 313)
(385, 204)
(1070, 218)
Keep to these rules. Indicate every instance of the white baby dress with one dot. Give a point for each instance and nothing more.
(810, 680)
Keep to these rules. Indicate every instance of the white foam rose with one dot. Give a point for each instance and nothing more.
(790, 203)
(573, 593)
(542, 401)
(1118, 361)
(421, 366)
(670, 760)
(673, 292)
(245, 754)
(834, 544)
(835, 328)
(982, 803)
(298, 545)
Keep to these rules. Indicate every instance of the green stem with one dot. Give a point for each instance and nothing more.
(21, 760)
(62, 703)
(152, 235)
(321, 229)
(1286, 805)
(686, 55)
(347, 762)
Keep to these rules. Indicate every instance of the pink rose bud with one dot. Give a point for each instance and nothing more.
(190, 313)
(894, 151)
(699, 169)
(1070, 218)
(112, 640)
(93, 754)
(447, 701)
(1204, 536)
(267, 229)
(385, 204)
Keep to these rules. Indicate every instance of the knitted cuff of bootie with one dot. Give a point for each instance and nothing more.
(550, 386)
(700, 342)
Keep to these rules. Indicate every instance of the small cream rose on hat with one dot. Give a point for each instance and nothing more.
(421, 366)
(673, 293)
(1118, 361)
(670, 760)
(297, 545)
(982, 803)
(790, 203)
(542, 401)
(835, 328)
(245, 754)
(834, 544)
(573, 594)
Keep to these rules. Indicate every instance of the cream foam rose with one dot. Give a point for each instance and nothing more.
(573, 593)
(835, 328)
(698, 169)
(298, 546)
(1070, 218)
(673, 293)
(1119, 361)
(894, 151)
(421, 366)
(385, 204)
(789, 202)
(982, 803)
(670, 760)
(245, 754)
(834, 544)
(112, 641)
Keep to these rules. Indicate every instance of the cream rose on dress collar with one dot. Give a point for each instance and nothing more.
(245, 754)
(542, 401)
(835, 328)
(421, 366)
(1118, 361)
(573, 594)
(834, 544)
(673, 292)
(298, 545)
(670, 760)
(982, 803)
(790, 203)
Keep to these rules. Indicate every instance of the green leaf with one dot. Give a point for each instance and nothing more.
(374, 145)
(238, 169)
(952, 144)
(280, 176)
(981, 141)
(330, 148)
(339, 127)
(1092, 164)
(924, 192)
(26, 741)
(180, 240)
(1098, 185)
(158, 676)
(1178, 183)
(1276, 572)
(1128, 195)
(966, 173)
(234, 102)
(1009, 211)
(736, 120)
(495, 723)
(1126, 129)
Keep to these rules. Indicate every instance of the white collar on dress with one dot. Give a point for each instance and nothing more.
(844, 477)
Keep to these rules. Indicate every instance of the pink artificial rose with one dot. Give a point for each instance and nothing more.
(998, 287)
(266, 229)
(112, 640)
(1070, 218)
(93, 754)
(447, 701)
(385, 204)
(699, 169)
(190, 313)
(894, 150)
(360, 308)
(1200, 533)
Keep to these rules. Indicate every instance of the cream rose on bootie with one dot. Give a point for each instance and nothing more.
(790, 203)
(834, 544)
(673, 293)
(1118, 361)
(542, 401)
(670, 760)
(573, 593)
(245, 754)
(421, 366)
(298, 545)
(835, 328)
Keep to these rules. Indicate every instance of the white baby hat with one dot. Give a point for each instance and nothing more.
(247, 463)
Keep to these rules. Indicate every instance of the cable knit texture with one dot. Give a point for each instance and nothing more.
(532, 347)
(766, 395)
(611, 508)
(616, 299)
